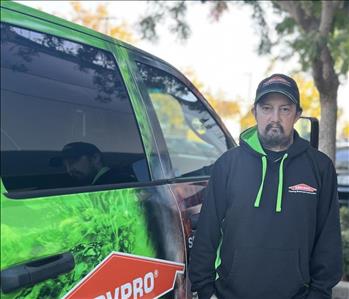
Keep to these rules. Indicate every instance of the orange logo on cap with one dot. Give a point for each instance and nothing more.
(124, 276)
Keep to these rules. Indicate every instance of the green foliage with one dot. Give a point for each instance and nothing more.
(306, 48)
(344, 214)
(286, 26)
(265, 43)
(173, 11)
(339, 45)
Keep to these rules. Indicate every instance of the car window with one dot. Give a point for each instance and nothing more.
(342, 158)
(61, 103)
(193, 138)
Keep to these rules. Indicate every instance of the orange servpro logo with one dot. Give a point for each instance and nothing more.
(124, 276)
(302, 188)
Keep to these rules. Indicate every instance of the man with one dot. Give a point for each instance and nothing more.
(269, 225)
(83, 161)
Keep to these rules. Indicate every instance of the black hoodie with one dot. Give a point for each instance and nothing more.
(268, 229)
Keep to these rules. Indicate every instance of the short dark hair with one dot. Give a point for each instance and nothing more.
(78, 149)
(75, 150)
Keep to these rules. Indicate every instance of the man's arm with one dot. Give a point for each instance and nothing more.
(326, 258)
(202, 271)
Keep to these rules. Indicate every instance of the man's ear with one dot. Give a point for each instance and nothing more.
(254, 112)
(298, 114)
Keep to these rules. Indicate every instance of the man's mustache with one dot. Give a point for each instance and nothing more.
(274, 125)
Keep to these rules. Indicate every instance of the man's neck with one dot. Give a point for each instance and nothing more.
(280, 147)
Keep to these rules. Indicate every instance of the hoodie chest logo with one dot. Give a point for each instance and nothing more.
(302, 188)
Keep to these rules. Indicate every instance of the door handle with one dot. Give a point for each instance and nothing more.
(31, 273)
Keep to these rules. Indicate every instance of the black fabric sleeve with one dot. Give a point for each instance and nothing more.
(326, 257)
(207, 237)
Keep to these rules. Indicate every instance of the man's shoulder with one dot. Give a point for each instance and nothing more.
(322, 162)
(115, 175)
(229, 157)
(319, 156)
(231, 153)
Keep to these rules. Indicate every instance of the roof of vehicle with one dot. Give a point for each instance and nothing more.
(11, 5)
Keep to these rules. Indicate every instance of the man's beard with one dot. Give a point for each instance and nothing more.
(274, 136)
(83, 179)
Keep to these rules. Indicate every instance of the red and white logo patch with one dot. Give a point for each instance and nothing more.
(302, 188)
(126, 276)
(276, 79)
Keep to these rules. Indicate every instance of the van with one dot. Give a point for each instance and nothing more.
(105, 154)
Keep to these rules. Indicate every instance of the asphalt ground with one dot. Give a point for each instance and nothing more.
(341, 291)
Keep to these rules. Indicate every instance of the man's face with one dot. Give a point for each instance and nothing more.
(276, 115)
(82, 169)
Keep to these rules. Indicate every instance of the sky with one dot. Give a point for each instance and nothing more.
(222, 54)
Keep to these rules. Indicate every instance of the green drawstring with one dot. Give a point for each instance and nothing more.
(264, 171)
(281, 181)
(218, 261)
(280, 185)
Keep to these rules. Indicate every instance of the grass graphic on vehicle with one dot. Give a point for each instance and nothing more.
(89, 225)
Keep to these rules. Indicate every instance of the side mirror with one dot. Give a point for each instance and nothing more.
(308, 128)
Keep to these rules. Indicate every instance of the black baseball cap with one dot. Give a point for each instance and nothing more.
(74, 150)
(279, 83)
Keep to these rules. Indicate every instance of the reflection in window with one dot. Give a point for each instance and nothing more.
(56, 92)
(194, 139)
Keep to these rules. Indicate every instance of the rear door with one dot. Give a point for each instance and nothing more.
(191, 135)
(59, 85)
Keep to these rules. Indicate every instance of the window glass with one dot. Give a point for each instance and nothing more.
(194, 139)
(66, 119)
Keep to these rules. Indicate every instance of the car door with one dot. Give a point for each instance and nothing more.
(62, 85)
(192, 135)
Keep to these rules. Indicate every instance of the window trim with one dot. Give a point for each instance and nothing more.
(19, 195)
(22, 195)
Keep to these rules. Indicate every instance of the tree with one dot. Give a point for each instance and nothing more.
(309, 96)
(99, 20)
(225, 108)
(316, 32)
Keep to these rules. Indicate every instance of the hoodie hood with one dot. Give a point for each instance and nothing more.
(249, 140)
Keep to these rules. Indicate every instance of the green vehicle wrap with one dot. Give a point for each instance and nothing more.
(89, 224)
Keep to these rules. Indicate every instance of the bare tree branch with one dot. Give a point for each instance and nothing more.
(327, 15)
(295, 9)
(324, 74)
(218, 9)
(323, 65)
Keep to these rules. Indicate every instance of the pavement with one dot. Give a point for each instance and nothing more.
(341, 291)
